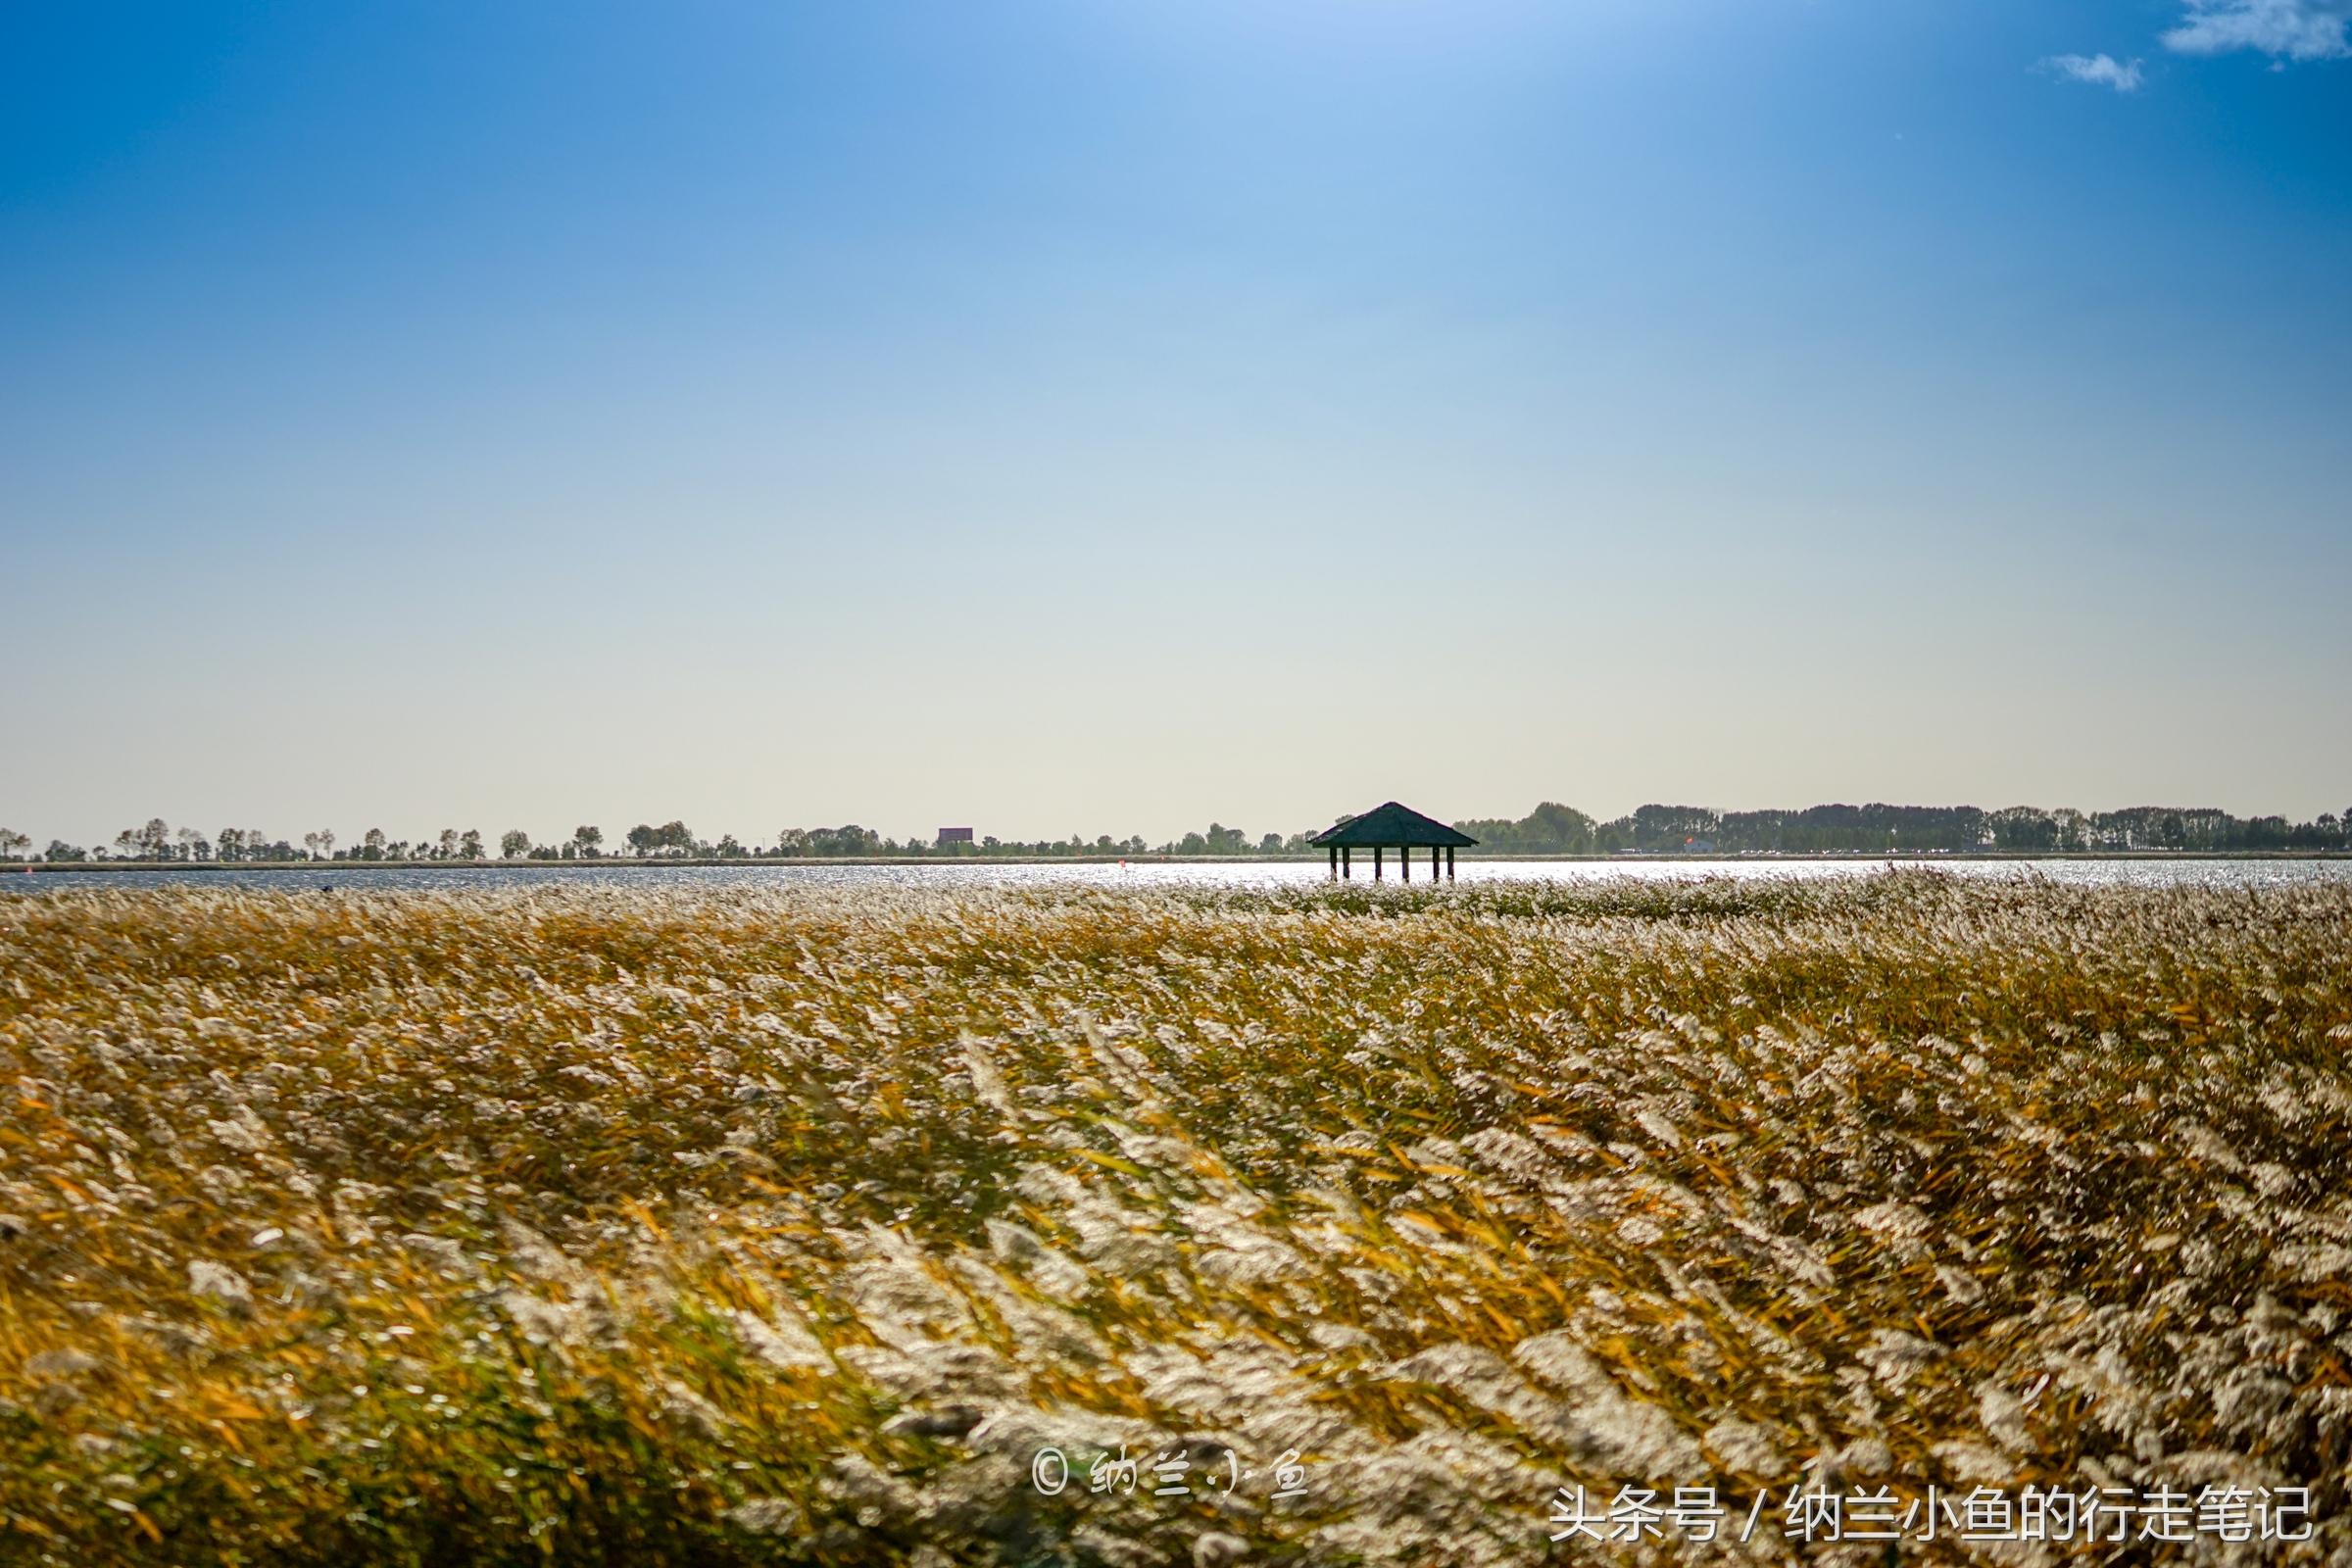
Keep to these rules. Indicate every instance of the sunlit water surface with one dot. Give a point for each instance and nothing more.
(1181, 873)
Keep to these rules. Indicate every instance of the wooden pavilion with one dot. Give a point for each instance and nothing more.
(1396, 827)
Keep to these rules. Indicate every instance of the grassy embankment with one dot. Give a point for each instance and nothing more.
(613, 1225)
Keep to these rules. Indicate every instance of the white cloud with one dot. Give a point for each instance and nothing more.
(2100, 71)
(2290, 29)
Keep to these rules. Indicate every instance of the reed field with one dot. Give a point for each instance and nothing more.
(607, 1225)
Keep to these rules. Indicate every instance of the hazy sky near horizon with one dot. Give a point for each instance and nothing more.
(1090, 418)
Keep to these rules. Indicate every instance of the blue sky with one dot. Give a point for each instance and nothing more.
(1104, 418)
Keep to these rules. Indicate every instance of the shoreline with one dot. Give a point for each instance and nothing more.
(624, 862)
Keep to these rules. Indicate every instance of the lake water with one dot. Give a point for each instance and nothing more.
(1185, 874)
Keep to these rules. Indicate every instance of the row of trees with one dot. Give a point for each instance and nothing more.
(158, 843)
(1549, 829)
(159, 840)
(1554, 829)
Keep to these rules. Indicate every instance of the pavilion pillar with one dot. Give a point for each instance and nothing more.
(1376, 856)
(1449, 862)
(1405, 862)
(1335, 862)
(1347, 862)
(1433, 863)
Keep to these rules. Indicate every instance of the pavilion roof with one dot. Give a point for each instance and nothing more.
(1392, 826)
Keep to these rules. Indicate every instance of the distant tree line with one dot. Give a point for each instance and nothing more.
(1554, 829)
(1549, 829)
(158, 843)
